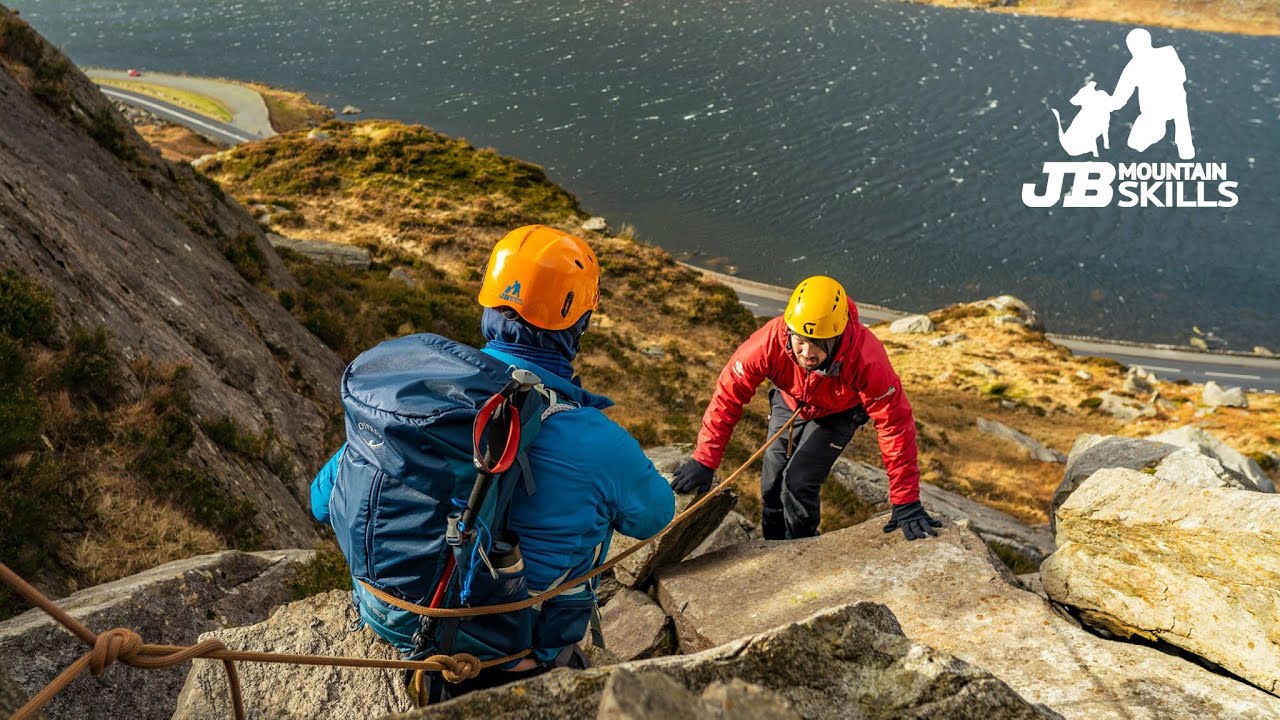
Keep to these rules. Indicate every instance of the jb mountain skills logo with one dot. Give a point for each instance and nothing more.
(1156, 75)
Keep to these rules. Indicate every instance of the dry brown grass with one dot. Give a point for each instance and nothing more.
(133, 531)
(1248, 17)
(288, 110)
(176, 142)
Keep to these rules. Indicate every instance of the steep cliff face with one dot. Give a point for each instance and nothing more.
(175, 271)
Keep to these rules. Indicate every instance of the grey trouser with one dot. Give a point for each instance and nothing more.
(796, 465)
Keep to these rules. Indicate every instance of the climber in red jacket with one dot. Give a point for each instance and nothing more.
(823, 361)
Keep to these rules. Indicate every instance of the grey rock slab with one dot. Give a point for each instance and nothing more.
(635, 627)
(327, 253)
(1138, 381)
(319, 625)
(850, 662)
(951, 594)
(1092, 453)
(636, 571)
(1197, 567)
(1214, 395)
(871, 485)
(912, 324)
(170, 605)
(1029, 445)
(732, 530)
(1232, 459)
(595, 224)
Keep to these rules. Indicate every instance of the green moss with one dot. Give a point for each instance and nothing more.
(90, 371)
(326, 571)
(20, 416)
(162, 463)
(1091, 403)
(996, 389)
(244, 254)
(37, 501)
(26, 309)
(107, 132)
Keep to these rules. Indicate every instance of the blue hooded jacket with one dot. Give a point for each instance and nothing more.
(591, 479)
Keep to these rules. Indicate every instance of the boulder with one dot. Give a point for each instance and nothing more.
(952, 595)
(1028, 444)
(1215, 395)
(1123, 408)
(1263, 351)
(1092, 453)
(327, 253)
(1138, 381)
(848, 662)
(595, 224)
(170, 605)
(1011, 307)
(634, 627)
(912, 324)
(946, 340)
(319, 625)
(1188, 466)
(986, 370)
(1196, 567)
(1232, 459)
(629, 695)
(871, 485)
(733, 529)
(351, 110)
(637, 570)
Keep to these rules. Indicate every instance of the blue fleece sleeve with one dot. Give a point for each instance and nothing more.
(322, 486)
(643, 502)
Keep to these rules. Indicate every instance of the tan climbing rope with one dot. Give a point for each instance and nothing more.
(127, 646)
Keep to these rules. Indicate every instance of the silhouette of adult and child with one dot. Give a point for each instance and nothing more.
(1157, 74)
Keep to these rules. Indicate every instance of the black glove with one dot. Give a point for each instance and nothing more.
(692, 476)
(913, 520)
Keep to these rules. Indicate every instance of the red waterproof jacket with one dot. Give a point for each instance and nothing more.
(859, 375)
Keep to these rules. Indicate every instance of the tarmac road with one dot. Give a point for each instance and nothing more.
(1252, 372)
(219, 132)
(249, 117)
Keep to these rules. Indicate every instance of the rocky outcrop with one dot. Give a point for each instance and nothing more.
(327, 253)
(1196, 437)
(871, 486)
(851, 661)
(732, 530)
(171, 604)
(1014, 311)
(1215, 395)
(1092, 453)
(950, 594)
(637, 570)
(635, 627)
(1029, 445)
(1123, 408)
(320, 625)
(1196, 567)
(135, 244)
(912, 324)
(1138, 381)
(1188, 466)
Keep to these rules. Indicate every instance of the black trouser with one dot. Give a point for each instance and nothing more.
(796, 465)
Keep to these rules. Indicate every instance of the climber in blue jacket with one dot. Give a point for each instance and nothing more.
(592, 478)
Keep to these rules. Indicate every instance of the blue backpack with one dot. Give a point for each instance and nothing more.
(415, 515)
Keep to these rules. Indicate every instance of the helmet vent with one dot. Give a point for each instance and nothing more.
(579, 264)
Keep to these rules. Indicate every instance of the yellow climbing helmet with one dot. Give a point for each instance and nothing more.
(547, 276)
(818, 308)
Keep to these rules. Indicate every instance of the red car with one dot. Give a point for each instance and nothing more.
(134, 73)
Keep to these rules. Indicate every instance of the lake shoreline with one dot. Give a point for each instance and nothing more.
(1258, 17)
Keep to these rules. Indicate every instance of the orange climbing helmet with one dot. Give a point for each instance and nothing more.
(818, 309)
(548, 277)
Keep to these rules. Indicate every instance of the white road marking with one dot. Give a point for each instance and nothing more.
(139, 101)
(1157, 368)
(1211, 373)
(748, 302)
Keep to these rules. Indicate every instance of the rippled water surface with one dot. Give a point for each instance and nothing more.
(883, 143)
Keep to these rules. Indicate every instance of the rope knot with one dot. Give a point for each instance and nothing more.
(456, 668)
(112, 645)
